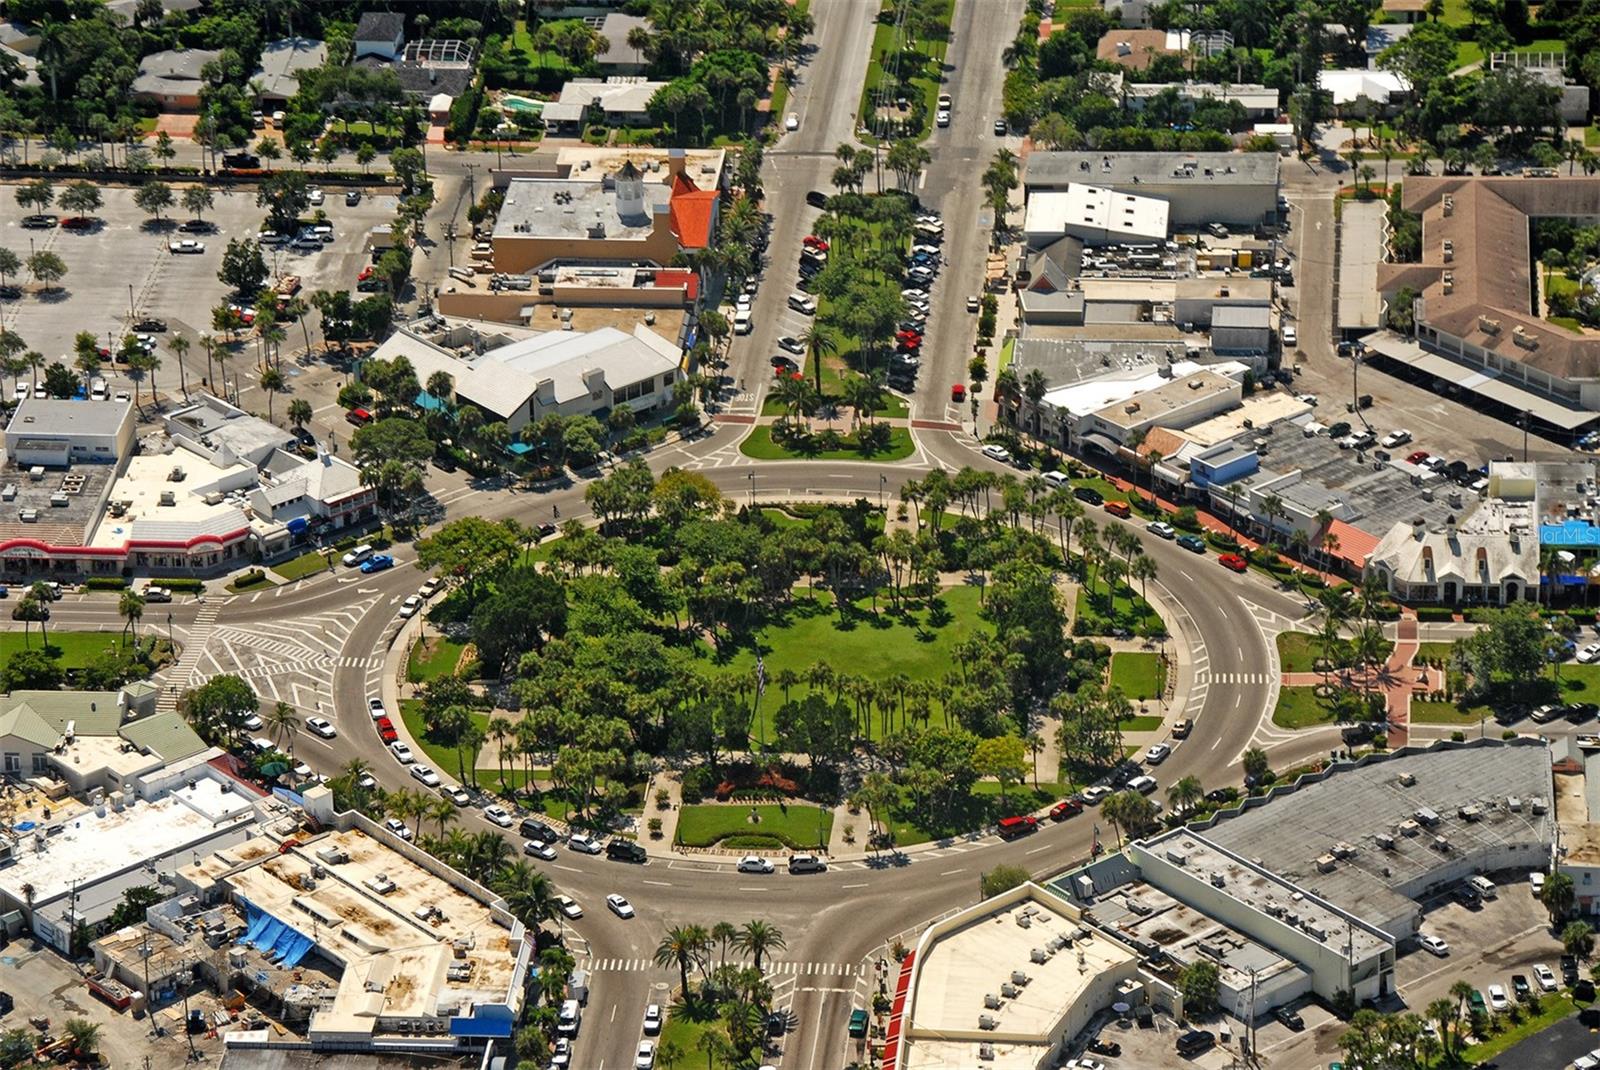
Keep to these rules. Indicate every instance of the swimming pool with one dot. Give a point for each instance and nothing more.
(514, 103)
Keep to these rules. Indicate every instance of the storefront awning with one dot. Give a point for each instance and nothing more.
(1480, 381)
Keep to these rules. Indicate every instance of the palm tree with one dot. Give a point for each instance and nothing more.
(668, 1054)
(131, 608)
(759, 937)
(715, 1046)
(42, 596)
(271, 381)
(724, 934)
(818, 343)
(443, 811)
(285, 723)
(1185, 793)
(1035, 743)
(527, 891)
(299, 413)
(682, 945)
(84, 1033)
(180, 346)
(1441, 1012)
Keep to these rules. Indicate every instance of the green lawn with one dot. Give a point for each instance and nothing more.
(1299, 707)
(441, 756)
(1005, 356)
(307, 564)
(1424, 711)
(1127, 610)
(1140, 723)
(876, 646)
(1109, 491)
(1552, 1009)
(1435, 652)
(1580, 683)
(926, 82)
(1298, 651)
(1138, 674)
(894, 407)
(1468, 52)
(797, 827)
(73, 650)
(683, 1030)
(522, 41)
(759, 444)
(259, 582)
(433, 657)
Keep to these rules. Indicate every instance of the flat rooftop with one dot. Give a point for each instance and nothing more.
(589, 162)
(89, 847)
(148, 476)
(1580, 823)
(1355, 805)
(1067, 358)
(395, 963)
(53, 416)
(1148, 918)
(1269, 891)
(552, 208)
(1160, 402)
(1151, 168)
(71, 524)
(974, 960)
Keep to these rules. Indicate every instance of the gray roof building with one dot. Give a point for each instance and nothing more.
(577, 209)
(1199, 187)
(172, 74)
(282, 60)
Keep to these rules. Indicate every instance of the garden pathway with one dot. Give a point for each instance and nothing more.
(669, 817)
(1398, 679)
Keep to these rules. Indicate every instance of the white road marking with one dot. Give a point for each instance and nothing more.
(952, 872)
(1036, 850)
(748, 888)
(855, 885)
(569, 869)
(660, 884)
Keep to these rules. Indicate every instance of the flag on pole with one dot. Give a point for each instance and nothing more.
(761, 676)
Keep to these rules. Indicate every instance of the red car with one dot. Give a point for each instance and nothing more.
(77, 222)
(1233, 561)
(909, 339)
(1065, 808)
(386, 730)
(366, 273)
(1417, 457)
(811, 241)
(958, 392)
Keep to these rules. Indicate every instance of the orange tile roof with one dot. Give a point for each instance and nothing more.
(693, 211)
(681, 277)
(1355, 545)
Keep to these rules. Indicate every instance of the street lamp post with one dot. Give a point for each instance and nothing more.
(752, 478)
(883, 481)
(185, 978)
(144, 953)
(170, 641)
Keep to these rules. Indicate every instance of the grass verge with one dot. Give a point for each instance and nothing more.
(797, 827)
(760, 445)
(1137, 673)
(1299, 707)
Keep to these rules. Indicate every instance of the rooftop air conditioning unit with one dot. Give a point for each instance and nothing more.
(986, 1052)
(1020, 978)
(1488, 325)
(991, 1001)
(986, 1021)
(1009, 991)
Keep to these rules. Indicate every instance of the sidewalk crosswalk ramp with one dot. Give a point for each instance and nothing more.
(182, 673)
(773, 969)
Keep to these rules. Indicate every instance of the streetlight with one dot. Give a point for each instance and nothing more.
(752, 478)
(185, 978)
(883, 481)
(170, 641)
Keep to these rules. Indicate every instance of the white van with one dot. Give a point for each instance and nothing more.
(97, 389)
(742, 323)
(803, 303)
(1483, 886)
(358, 555)
(1057, 478)
(567, 1019)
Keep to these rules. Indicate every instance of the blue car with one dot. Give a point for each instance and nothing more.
(377, 563)
(1193, 543)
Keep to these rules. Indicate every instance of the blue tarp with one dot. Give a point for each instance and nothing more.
(1565, 581)
(1569, 533)
(281, 943)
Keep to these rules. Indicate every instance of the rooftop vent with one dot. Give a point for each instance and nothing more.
(1449, 204)
(1449, 250)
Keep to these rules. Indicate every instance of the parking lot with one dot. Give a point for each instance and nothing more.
(124, 262)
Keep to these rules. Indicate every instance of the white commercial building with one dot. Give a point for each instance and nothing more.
(52, 433)
(1095, 215)
(1009, 983)
(1199, 187)
(1107, 410)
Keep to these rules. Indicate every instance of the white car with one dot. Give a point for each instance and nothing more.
(1144, 785)
(1395, 438)
(430, 588)
(410, 606)
(1536, 882)
(456, 794)
(755, 864)
(20, 392)
(254, 723)
(314, 196)
(1589, 653)
(561, 1054)
(568, 906)
(498, 815)
(1162, 529)
(1290, 338)
(1433, 945)
(426, 775)
(1309, 399)
(366, 782)
(1498, 1001)
(1157, 753)
(996, 453)
(301, 770)
(1544, 978)
(792, 122)
(186, 245)
(1094, 793)
(652, 1019)
(645, 1057)
(539, 849)
(943, 117)
(321, 726)
(620, 906)
(583, 843)
(789, 343)
(375, 707)
(402, 752)
(398, 827)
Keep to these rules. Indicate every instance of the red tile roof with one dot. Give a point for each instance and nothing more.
(1355, 545)
(693, 212)
(680, 277)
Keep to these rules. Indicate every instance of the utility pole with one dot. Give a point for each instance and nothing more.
(144, 953)
(186, 978)
(131, 314)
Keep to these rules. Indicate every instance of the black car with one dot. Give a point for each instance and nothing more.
(150, 323)
(1195, 1041)
(444, 462)
(1569, 969)
(242, 160)
(534, 829)
(353, 198)
(817, 199)
(1222, 795)
(620, 850)
(1000, 128)
(196, 226)
(782, 365)
(1578, 712)
(1089, 495)
(10, 293)
(1289, 1018)
(777, 1024)
(546, 530)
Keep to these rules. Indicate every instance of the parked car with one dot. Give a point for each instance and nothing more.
(402, 752)
(1234, 562)
(1395, 438)
(1498, 1000)
(1157, 753)
(498, 815)
(996, 453)
(410, 606)
(150, 323)
(1088, 495)
(567, 906)
(1066, 808)
(1544, 977)
(321, 726)
(755, 864)
(375, 707)
(186, 245)
(398, 827)
(386, 730)
(1162, 529)
(584, 843)
(1289, 1018)
(539, 849)
(377, 563)
(1433, 945)
(1192, 543)
(456, 794)
(423, 773)
(807, 864)
(652, 1019)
